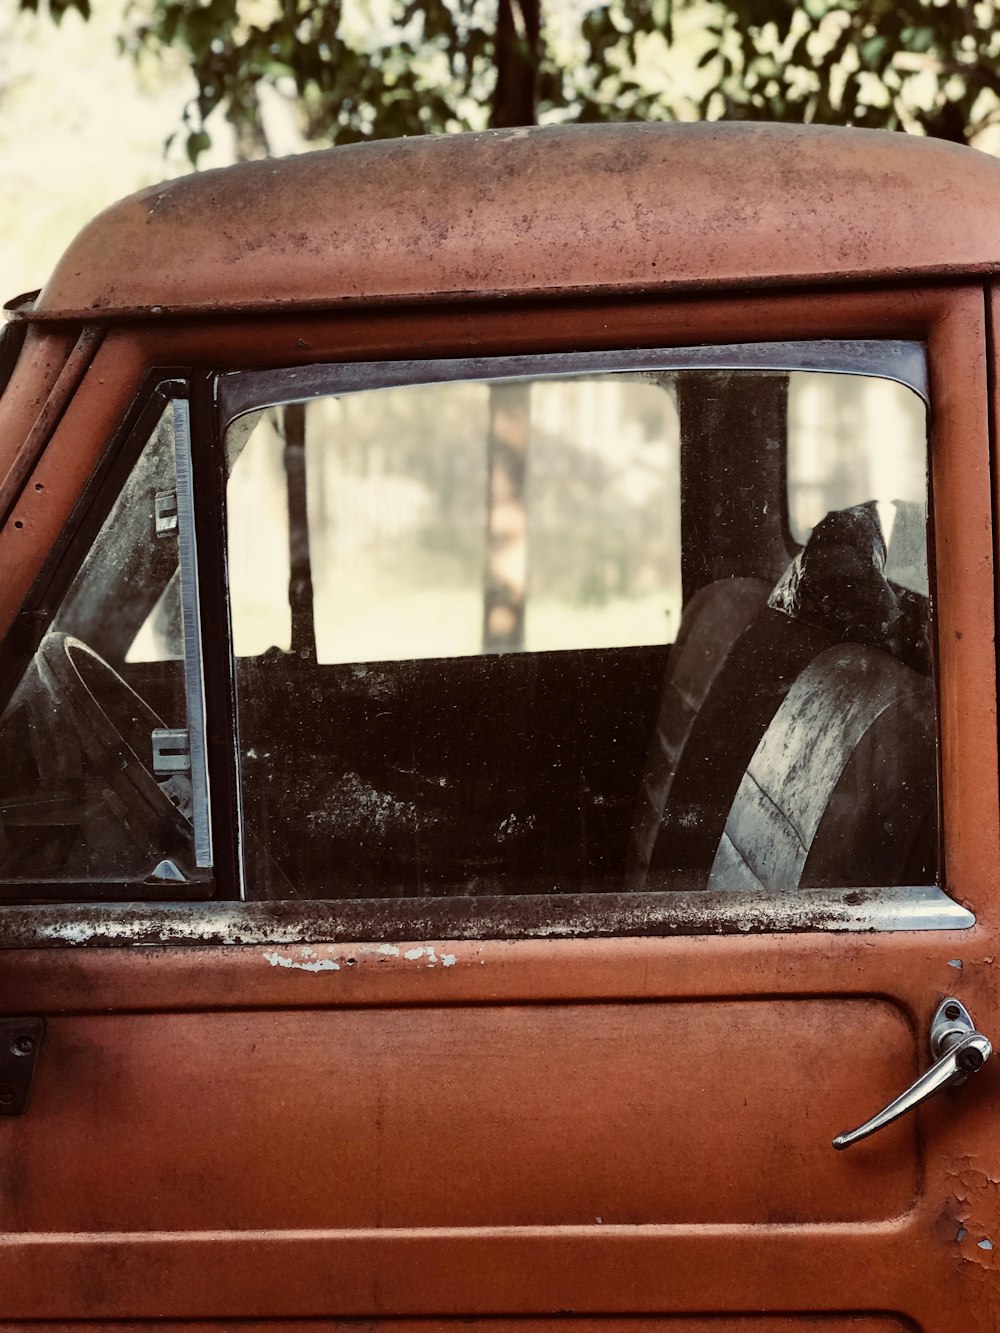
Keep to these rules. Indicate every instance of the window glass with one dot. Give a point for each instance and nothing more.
(424, 502)
(852, 439)
(94, 780)
(617, 631)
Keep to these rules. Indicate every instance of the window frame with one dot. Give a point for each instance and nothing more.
(951, 312)
(618, 913)
(902, 360)
(161, 389)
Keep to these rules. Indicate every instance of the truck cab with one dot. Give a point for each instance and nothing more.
(499, 819)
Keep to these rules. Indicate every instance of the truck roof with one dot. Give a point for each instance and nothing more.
(527, 212)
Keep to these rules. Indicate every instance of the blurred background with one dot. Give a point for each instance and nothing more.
(101, 97)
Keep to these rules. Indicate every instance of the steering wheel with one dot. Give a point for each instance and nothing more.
(113, 726)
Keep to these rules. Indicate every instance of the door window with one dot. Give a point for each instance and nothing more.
(102, 776)
(603, 624)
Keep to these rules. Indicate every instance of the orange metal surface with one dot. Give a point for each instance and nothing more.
(339, 1184)
(56, 401)
(80, 439)
(39, 366)
(541, 1129)
(848, 1323)
(538, 210)
(517, 1115)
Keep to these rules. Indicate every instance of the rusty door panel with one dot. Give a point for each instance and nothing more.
(317, 1113)
(847, 1323)
(516, 1115)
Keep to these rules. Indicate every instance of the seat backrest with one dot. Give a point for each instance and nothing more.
(841, 790)
(712, 622)
(759, 671)
(833, 594)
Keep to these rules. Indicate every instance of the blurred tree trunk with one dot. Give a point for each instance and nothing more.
(250, 139)
(506, 573)
(300, 584)
(518, 56)
(515, 102)
(250, 144)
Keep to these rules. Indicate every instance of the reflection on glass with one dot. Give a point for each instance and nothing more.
(852, 439)
(642, 631)
(413, 506)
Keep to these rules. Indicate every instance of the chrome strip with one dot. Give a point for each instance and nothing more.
(535, 916)
(891, 359)
(194, 683)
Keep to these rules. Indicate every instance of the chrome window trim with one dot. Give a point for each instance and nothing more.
(904, 362)
(194, 679)
(569, 916)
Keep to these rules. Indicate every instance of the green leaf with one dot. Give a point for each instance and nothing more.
(200, 141)
(874, 52)
(922, 39)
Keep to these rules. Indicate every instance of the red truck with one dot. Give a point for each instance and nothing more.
(498, 743)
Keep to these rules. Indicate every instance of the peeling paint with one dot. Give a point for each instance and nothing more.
(431, 954)
(955, 962)
(975, 1210)
(317, 965)
(309, 959)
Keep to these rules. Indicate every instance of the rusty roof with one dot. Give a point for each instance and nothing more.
(532, 211)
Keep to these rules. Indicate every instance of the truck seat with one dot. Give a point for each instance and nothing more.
(841, 789)
(711, 623)
(833, 596)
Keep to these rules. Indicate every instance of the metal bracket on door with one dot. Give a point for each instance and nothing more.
(20, 1039)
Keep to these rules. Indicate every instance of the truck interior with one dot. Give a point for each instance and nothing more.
(633, 632)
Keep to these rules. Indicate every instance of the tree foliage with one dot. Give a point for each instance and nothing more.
(923, 65)
(361, 69)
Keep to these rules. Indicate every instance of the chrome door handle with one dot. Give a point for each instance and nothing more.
(958, 1051)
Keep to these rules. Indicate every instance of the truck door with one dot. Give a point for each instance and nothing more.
(477, 830)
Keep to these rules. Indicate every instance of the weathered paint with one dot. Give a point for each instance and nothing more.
(309, 963)
(311, 960)
(528, 916)
(576, 998)
(847, 1323)
(550, 210)
(55, 403)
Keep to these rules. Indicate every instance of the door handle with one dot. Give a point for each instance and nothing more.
(957, 1050)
